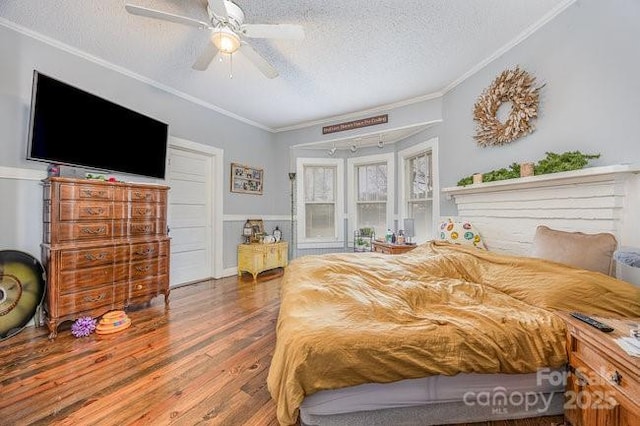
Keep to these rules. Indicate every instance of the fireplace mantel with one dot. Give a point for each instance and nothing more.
(591, 200)
(589, 174)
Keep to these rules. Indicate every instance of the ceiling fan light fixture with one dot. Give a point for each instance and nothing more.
(225, 40)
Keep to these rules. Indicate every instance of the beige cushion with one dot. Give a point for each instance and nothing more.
(593, 252)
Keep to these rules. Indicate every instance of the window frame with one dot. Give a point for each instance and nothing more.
(337, 241)
(403, 157)
(352, 193)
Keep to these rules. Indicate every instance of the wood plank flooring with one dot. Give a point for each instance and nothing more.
(202, 361)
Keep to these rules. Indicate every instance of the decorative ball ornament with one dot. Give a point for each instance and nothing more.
(83, 326)
(515, 86)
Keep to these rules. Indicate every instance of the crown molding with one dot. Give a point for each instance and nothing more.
(348, 116)
(106, 64)
(501, 51)
(513, 43)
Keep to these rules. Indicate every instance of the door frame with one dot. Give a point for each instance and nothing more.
(217, 167)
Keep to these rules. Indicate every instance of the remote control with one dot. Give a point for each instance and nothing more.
(592, 322)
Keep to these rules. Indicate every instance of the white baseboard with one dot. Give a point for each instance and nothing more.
(227, 272)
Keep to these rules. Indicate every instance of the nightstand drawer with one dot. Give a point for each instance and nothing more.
(604, 387)
(608, 371)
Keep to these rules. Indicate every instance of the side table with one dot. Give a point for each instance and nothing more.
(389, 248)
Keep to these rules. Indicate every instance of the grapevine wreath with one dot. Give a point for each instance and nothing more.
(515, 86)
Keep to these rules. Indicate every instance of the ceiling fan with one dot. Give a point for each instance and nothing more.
(229, 33)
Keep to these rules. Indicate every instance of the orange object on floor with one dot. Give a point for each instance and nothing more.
(112, 322)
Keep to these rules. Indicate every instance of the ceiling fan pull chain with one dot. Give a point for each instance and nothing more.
(231, 66)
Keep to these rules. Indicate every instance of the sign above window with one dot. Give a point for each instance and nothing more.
(356, 124)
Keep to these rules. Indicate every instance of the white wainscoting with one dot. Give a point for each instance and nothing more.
(591, 200)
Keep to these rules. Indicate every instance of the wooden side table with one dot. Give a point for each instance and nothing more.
(388, 248)
(603, 387)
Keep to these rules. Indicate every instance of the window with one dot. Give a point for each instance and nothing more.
(371, 199)
(319, 205)
(419, 191)
(371, 193)
(319, 201)
(418, 200)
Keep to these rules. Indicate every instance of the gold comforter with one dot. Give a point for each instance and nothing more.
(352, 318)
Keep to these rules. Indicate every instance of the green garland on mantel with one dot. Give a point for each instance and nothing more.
(552, 163)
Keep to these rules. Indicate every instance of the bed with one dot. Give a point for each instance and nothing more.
(357, 331)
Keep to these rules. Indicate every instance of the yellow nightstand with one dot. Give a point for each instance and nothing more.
(256, 258)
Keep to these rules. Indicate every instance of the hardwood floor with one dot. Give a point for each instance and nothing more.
(203, 361)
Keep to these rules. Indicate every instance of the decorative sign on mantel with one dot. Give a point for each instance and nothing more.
(356, 124)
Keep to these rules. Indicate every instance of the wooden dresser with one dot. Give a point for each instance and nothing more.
(256, 258)
(603, 387)
(388, 248)
(105, 247)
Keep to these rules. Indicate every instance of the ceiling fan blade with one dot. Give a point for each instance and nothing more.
(256, 59)
(152, 13)
(205, 58)
(290, 31)
(218, 8)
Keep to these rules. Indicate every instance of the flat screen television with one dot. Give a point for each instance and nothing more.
(69, 126)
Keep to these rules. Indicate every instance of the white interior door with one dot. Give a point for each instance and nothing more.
(192, 210)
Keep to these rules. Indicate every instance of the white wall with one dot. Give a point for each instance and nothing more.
(588, 58)
(22, 53)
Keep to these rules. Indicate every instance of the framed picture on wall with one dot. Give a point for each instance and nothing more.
(246, 180)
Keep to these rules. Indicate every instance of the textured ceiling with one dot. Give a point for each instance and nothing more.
(356, 54)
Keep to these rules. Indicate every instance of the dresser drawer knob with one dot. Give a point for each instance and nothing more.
(616, 378)
(93, 194)
(142, 195)
(94, 299)
(94, 211)
(93, 231)
(142, 228)
(91, 256)
(145, 252)
(139, 287)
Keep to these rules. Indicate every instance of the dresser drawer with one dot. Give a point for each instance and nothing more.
(99, 230)
(141, 211)
(70, 191)
(87, 258)
(138, 229)
(90, 210)
(150, 250)
(147, 195)
(147, 287)
(82, 279)
(112, 295)
(145, 251)
(148, 268)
